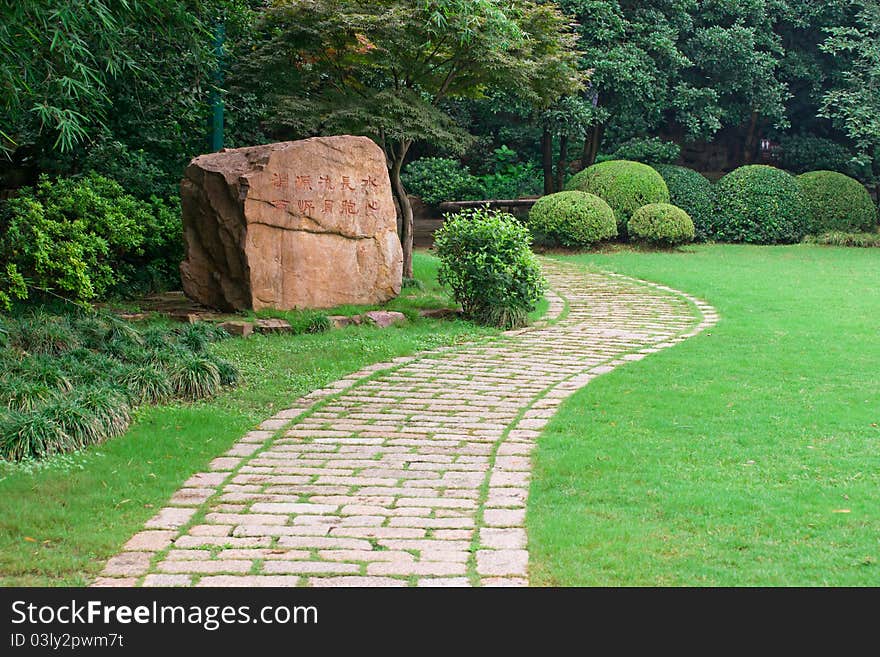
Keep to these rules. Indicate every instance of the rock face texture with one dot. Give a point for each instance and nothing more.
(298, 224)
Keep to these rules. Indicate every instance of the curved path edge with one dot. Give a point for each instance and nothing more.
(408, 472)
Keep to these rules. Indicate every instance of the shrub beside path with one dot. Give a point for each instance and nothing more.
(412, 472)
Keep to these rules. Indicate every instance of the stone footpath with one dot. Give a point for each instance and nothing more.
(413, 472)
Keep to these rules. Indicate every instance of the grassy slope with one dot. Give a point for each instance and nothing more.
(731, 458)
(60, 520)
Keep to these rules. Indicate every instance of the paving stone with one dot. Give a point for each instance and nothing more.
(399, 462)
(303, 567)
(248, 581)
(114, 582)
(168, 580)
(354, 581)
(170, 518)
(443, 582)
(150, 541)
(128, 563)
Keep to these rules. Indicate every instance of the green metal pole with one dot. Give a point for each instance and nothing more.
(216, 98)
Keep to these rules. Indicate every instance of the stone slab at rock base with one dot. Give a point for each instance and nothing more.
(241, 329)
(302, 224)
(273, 326)
(384, 318)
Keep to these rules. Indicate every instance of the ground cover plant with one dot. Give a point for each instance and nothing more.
(72, 378)
(64, 516)
(745, 456)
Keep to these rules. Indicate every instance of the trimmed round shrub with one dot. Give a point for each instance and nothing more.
(758, 204)
(486, 259)
(572, 219)
(692, 192)
(836, 202)
(661, 224)
(624, 185)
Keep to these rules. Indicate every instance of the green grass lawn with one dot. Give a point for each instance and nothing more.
(746, 456)
(62, 518)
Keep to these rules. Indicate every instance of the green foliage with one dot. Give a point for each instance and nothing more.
(758, 204)
(486, 261)
(32, 435)
(661, 224)
(852, 103)
(692, 192)
(802, 153)
(148, 385)
(572, 219)
(508, 177)
(80, 238)
(625, 186)
(863, 240)
(76, 377)
(38, 332)
(648, 150)
(836, 202)
(194, 376)
(437, 179)
(134, 170)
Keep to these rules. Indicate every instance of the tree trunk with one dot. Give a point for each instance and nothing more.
(547, 160)
(591, 145)
(748, 155)
(406, 214)
(561, 164)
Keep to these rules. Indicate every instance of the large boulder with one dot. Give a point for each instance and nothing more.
(297, 224)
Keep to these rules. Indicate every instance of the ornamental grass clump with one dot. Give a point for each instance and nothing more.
(486, 260)
(70, 381)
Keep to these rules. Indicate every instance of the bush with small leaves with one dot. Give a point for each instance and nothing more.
(648, 150)
(624, 185)
(758, 204)
(692, 192)
(486, 260)
(572, 219)
(438, 179)
(836, 202)
(661, 224)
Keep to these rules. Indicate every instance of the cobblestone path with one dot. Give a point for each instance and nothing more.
(412, 472)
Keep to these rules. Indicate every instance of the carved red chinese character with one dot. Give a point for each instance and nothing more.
(369, 181)
(280, 203)
(303, 182)
(372, 207)
(326, 183)
(305, 205)
(279, 180)
(349, 207)
(328, 205)
(346, 183)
